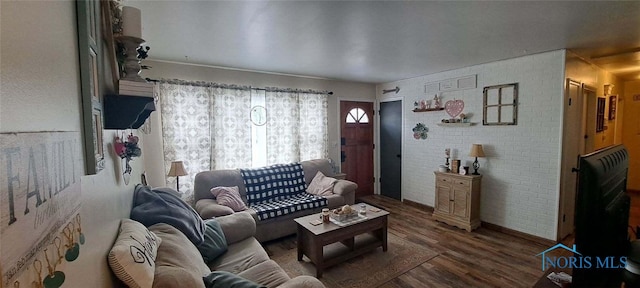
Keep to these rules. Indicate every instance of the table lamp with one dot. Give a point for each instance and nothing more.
(177, 170)
(131, 40)
(476, 151)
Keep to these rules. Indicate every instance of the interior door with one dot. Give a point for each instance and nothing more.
(391, 149)
(356, 120)
(573, 145)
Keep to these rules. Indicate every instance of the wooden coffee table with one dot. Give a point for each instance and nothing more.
(312, 239)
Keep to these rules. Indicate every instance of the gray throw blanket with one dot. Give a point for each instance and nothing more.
(161, 206)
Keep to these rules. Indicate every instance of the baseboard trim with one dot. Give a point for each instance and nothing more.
(418, 205)
(518, 234)
(491, 226)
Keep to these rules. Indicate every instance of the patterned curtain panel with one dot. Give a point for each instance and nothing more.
(297, 128)
(314, 134)
(185, 112)
(282, 127)
(231, 127)
(208, 126)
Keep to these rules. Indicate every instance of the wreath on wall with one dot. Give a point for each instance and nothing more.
(420, 131)
(129, 149)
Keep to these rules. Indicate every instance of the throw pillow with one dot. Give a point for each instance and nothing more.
(179, 263)
(133, 255)
(215, 243)
(223, 279)
(230, 197)
(321, 185)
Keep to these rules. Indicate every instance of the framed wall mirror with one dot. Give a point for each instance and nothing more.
(500, 105)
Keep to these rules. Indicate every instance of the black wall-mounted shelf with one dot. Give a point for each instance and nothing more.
(127, 112)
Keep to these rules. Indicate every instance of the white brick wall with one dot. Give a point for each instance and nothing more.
(520, 186)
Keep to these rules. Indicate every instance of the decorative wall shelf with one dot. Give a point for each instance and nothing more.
(131, 107)
(126, 111)
(455, 124)
(428, 110)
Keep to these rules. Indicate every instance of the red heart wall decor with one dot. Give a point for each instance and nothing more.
(454, 107)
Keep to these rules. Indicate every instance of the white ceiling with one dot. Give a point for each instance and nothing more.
(384, 41)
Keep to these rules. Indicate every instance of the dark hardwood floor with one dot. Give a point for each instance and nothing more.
(482, 258)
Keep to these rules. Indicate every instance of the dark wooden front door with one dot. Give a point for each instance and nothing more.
(356, 120)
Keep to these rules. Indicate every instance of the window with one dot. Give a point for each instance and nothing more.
(357, 115)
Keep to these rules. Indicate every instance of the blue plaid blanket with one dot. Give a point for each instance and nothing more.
(299, 202)
(275, 182)
(278, 190)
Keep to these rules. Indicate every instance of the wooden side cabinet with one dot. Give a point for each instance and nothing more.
(458, 200)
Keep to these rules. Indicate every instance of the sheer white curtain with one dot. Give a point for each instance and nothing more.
(282, 127)
(296, 126)
(205, 125)
(186, 130)
(208, 126)
(231, 124)
(314, 132)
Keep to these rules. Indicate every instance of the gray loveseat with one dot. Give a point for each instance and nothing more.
(207, 207)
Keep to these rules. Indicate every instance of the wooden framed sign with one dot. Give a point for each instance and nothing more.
(40, 226)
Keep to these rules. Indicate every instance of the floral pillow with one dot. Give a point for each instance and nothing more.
(321, 185)
(230, 197)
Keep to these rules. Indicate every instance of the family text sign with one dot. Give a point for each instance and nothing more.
(39, 199)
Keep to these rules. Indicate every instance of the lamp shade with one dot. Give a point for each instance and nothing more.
(131, 22)
(476, 150)
(177, 169)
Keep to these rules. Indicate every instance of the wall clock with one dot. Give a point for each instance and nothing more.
(259, 115)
